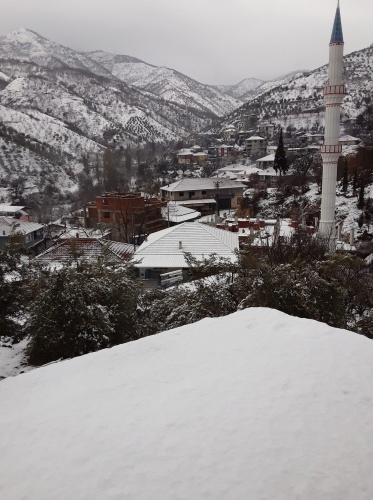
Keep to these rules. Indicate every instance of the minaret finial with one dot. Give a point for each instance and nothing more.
(337, 33)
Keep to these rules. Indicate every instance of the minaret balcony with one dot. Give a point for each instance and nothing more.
(331, 149)
(335, 90)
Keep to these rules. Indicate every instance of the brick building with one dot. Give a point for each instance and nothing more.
(130, 216)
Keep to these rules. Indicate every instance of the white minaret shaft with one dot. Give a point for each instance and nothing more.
(334, 93)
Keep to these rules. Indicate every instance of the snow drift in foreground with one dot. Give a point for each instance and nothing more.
(255, 405)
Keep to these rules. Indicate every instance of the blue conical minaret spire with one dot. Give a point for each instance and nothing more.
(337, 34)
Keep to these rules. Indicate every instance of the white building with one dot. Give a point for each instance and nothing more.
(164, 251)
(348, 140)
(267, 129)
(256, 145)
(202, 194)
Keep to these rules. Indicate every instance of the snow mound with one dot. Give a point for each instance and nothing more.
(255, 405)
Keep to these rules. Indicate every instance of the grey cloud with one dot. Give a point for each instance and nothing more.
(213, 41)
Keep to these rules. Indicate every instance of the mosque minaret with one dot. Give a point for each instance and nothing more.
(334, 93)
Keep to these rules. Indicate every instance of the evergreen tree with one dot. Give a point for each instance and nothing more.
(110, 174)
(281, 163)
(128, 161)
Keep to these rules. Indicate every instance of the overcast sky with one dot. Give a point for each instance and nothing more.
(213, 41)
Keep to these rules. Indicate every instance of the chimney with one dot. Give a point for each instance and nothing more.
(180, 245)
(77, 235)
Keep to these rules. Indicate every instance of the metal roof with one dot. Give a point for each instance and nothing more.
(267, 158)
(337, 33)
(9, 225)
(86, 249)
(166, 248)
(177, 213)
(10, 208)
(197, 184)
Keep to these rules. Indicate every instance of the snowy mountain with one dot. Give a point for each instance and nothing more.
(242, 90)
(26, 45)
(254, 405)
(167, 83)
(249, 88)
(57, 105)
(298, 101)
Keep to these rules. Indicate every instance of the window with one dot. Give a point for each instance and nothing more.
(204, 192)
(181, 193)
(105, 201)
(106, 215)
(191, 193)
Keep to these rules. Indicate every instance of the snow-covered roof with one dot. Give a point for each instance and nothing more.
(198, 184)
(10, 209)
(162, 249)
(255, 138)
(348, 138)
(84, 232)
(177, 213)
(185, 152)
(201, 153)
(9, 225)
(254, 405)
(87, 249)
(266, 158)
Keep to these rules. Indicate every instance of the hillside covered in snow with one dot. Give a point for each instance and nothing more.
(253, 405)
(57, 105)
(298, 101)
(167, 83)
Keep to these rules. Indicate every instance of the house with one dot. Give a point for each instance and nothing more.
(185, 157)
(32, 232)
(313, 139)
(203, 194)
(129, 215)
(348, 140)
(68, 251)
(267, 129)
(266, 171)
(271, 149)
(229, 133)
(199, 157)
(265, 162)
(164, 251)
(18, 212)
(255, 145)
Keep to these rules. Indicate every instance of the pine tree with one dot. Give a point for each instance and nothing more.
(128, 161)
(281, 163)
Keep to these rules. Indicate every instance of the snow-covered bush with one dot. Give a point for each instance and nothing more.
(80, 310)
(12, 276)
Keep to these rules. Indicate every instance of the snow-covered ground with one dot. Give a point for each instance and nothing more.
(12, 358)
(255, 405)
